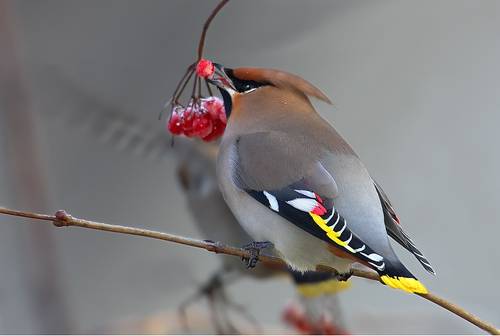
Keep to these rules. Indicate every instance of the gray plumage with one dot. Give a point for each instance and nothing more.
(281, 148)
(197, 175)
(275, 139)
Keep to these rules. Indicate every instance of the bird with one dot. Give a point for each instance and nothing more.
(319, 310)
(296, 185)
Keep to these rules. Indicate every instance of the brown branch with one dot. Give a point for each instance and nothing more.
(63, 219)
(216, 10)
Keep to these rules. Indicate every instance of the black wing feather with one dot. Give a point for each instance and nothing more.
(334, 230)
(397, 233)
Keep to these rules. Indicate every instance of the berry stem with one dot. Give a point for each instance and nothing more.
(189, 74)
(216, 10)
(178, 91)
(208, 88)
(196, 79)
(199, 88)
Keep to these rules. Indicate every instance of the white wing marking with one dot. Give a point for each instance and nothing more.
(306, 193)
(273, 202)
(380, 268)
(373, 256)
(303, 204)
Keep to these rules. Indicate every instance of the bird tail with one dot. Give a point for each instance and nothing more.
(319, 311)
(396, 275)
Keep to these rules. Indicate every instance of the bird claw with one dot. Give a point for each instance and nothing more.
(295, 316)
(254, 249)
(343, 276)
(326, 326)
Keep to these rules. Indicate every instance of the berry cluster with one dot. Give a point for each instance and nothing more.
(204, 118)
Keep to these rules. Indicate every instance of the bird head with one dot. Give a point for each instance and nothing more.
(230, 84)
(240, 81)
(234, 82)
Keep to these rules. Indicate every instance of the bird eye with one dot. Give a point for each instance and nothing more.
(246, 86)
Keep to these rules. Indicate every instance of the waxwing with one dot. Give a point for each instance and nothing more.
(291, 180)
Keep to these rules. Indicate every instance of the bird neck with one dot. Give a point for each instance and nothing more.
(228, 104)
(270, 109)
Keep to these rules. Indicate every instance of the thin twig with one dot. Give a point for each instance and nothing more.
(216, 10)
(208, 88)
(186, 78)
(63, 219)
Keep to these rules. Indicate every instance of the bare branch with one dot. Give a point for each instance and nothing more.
(216, 10)
(62, 219)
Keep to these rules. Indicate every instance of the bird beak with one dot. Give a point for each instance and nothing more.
(220, 79)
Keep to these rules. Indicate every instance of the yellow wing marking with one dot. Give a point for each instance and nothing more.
(334, 236)
(409, 285)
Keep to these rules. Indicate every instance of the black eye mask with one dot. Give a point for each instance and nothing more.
(242, 85)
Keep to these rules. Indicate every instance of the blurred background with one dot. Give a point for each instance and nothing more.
(416, 91)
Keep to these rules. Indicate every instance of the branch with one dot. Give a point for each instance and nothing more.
(63, 219)
(216, 10)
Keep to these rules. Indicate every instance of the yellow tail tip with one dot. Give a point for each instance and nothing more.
(409, 285)
(327, 287)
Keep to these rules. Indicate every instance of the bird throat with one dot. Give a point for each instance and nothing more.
(228, 104)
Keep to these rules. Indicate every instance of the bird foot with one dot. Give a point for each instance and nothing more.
(295, 317)
(343, 276)
(254, 249)
(326, 326)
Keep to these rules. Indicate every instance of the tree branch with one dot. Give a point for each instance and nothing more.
(63, 219)
(212, 15)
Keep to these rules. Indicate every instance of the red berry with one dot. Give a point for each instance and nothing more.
(218, 128)
(187, 122)
(174, 124)
(205, 68)
(202, 125)
(205, 119)
(222, 115)
(215, 106)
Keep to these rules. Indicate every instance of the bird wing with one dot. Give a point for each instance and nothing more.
(285, 174)
(316, 215)
(396, 232)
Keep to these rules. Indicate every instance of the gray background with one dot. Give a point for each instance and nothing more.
(416, 91)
